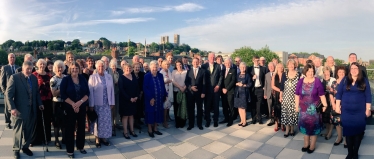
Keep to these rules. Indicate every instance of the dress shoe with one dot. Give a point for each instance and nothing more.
(286, 135)
(190, 127)
(229, 124)
(260, 122)
(16, 155)
(157, 132)
(310, 151)
(253, 122)
(292, 134)
(304, 149)
(8, 126)
(106, 143)
(71, 155)
(271, 123)
(338, 143)
(126, 136)
(151, 134)
(27, 151)
(223, 121)
(215, 124)
(201, 127)
(83, 151)
(57, 144)
(207, 124)
(133, 134)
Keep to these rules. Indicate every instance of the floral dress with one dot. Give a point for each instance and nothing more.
(289, 116)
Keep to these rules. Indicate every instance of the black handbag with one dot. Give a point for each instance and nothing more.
(92, 116)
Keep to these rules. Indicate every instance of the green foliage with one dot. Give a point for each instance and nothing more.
(338, 62)
(131, 51)
(176, 52)
(154, 47)
(3, 57)
(195, 50)
(247, 53)
(168, 46)
(7, 44)
(19, 60)
(25, 48)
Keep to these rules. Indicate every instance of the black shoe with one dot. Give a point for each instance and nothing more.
(345, 146)
(201, 127)
(71, 155)
(207, 124)
(310, 151)
(224, 121)
(114, 133)
(215, 124)
(106, 143)
(157, 132)
(304, 149)
(57, 144)
(338, 143)
(260, 122)
(286, 135)
(190, 127)
(271, 123)
(133, 134)
(126, 136)
(8, 126)
(292, 134)
(229, 124)
(349, 156)
(98, 145)
(150, 134)
(253, 122)
(83, 151)
(27, 151)
(16, 155)
(244, 125)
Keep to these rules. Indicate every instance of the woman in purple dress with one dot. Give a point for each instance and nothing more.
(354, 107)
(154, 98)
(308, 96)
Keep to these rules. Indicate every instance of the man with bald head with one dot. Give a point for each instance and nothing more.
(214, 81)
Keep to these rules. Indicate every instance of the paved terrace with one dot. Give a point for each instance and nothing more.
(251, 142)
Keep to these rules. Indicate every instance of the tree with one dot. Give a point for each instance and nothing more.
(246, 54)
(90, 42)
(338, 62)
(131, 51)
(176, 52)
(195, 50)
(7, 44)
(25, 48)
(154, 47)
(17, 44)
(76, 45)
(3, 57)
(168, 46)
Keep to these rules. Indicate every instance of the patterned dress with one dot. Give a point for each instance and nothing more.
(103, 124)
(289, 116)
(335, 117)
(154, 87)
(310, 122)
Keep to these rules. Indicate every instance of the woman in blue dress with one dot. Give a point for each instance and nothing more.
(353, 102)
(154, 98)
(308, 96)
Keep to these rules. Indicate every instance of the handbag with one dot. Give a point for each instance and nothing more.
(92, 116)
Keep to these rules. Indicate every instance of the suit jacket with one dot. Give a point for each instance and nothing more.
(214, 78)
(262, 73)
(200, 81)
(18, 97)
(188, 67)
(97, 90)
(229, 81)
(67, 89)
(267, 85)
(5, 74)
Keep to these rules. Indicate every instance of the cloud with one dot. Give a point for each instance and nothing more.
(186, 7)
(331, 27)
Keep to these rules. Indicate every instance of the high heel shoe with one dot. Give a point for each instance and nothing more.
(151, 134)
(106, 143)
(133, 134)
(244, 125)
(57, 144)
(71, 155)
(157, 132)
(286, 135)
(276, 129)
(240, 124)
(292, 134)
(338, 143)
(327, 137)
(304, 149)
(98, 145)
(126, 136)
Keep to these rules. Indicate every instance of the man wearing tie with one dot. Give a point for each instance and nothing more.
(6, 72)
(196, 85)
(214, 81)
(237, 63)
(27, 57)
(258, 76)
(24, 101)
(186, 66)
(268, 92)
(228, 89)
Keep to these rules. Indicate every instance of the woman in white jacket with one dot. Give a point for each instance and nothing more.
(169, 89)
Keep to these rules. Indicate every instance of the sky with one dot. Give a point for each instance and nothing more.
(329, 27)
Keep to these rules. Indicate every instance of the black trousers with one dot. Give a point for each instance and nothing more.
(193, 99)
(257, 98)
(58, 119)
(178, 121)
(73, 118)
(228, 106)
(353, 144)
(211, 102)
(39, 131)
(7, 114)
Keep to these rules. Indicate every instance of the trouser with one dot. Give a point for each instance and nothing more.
(39, 133)
(257, 98)
(193, 99)
(71, 119)
(211, 101)
(353, 144)
(7, 114)
(270, 106)
(23, 131)
(228, 106)
(178, 121)
(58, 119)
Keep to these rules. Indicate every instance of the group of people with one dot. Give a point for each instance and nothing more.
(102, 94)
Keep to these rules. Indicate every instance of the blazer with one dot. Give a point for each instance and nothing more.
(267, 85)
(261, 75)
(67, 89)
(214, 78)
(200, 81)
(5, 74)
(97, 90)
(229, 81)
(18, 96)
(248, 81)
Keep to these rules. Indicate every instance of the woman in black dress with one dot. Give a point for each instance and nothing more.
(276, 83)
(140, 102)
(326, 116)
(129, 93)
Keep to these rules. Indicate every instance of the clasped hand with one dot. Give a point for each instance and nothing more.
(76, 106)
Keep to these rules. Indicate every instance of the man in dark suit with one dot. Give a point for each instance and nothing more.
(24, 101)
(6, 72)
(27, 57)
(186, 66)
(214, 81)
(353, 58)
(228, 90)
(258, 76)
(196, 84)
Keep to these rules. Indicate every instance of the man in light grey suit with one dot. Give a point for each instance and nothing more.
(268, 91)
(6, 72)
(24, 101)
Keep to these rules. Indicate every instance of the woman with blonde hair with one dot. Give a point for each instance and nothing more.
(275, 85)
(326, 115)
(68, 61)
(169, 89)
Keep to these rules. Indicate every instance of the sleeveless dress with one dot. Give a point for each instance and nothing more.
(289, 116)
(310, 122)
(276, 104)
